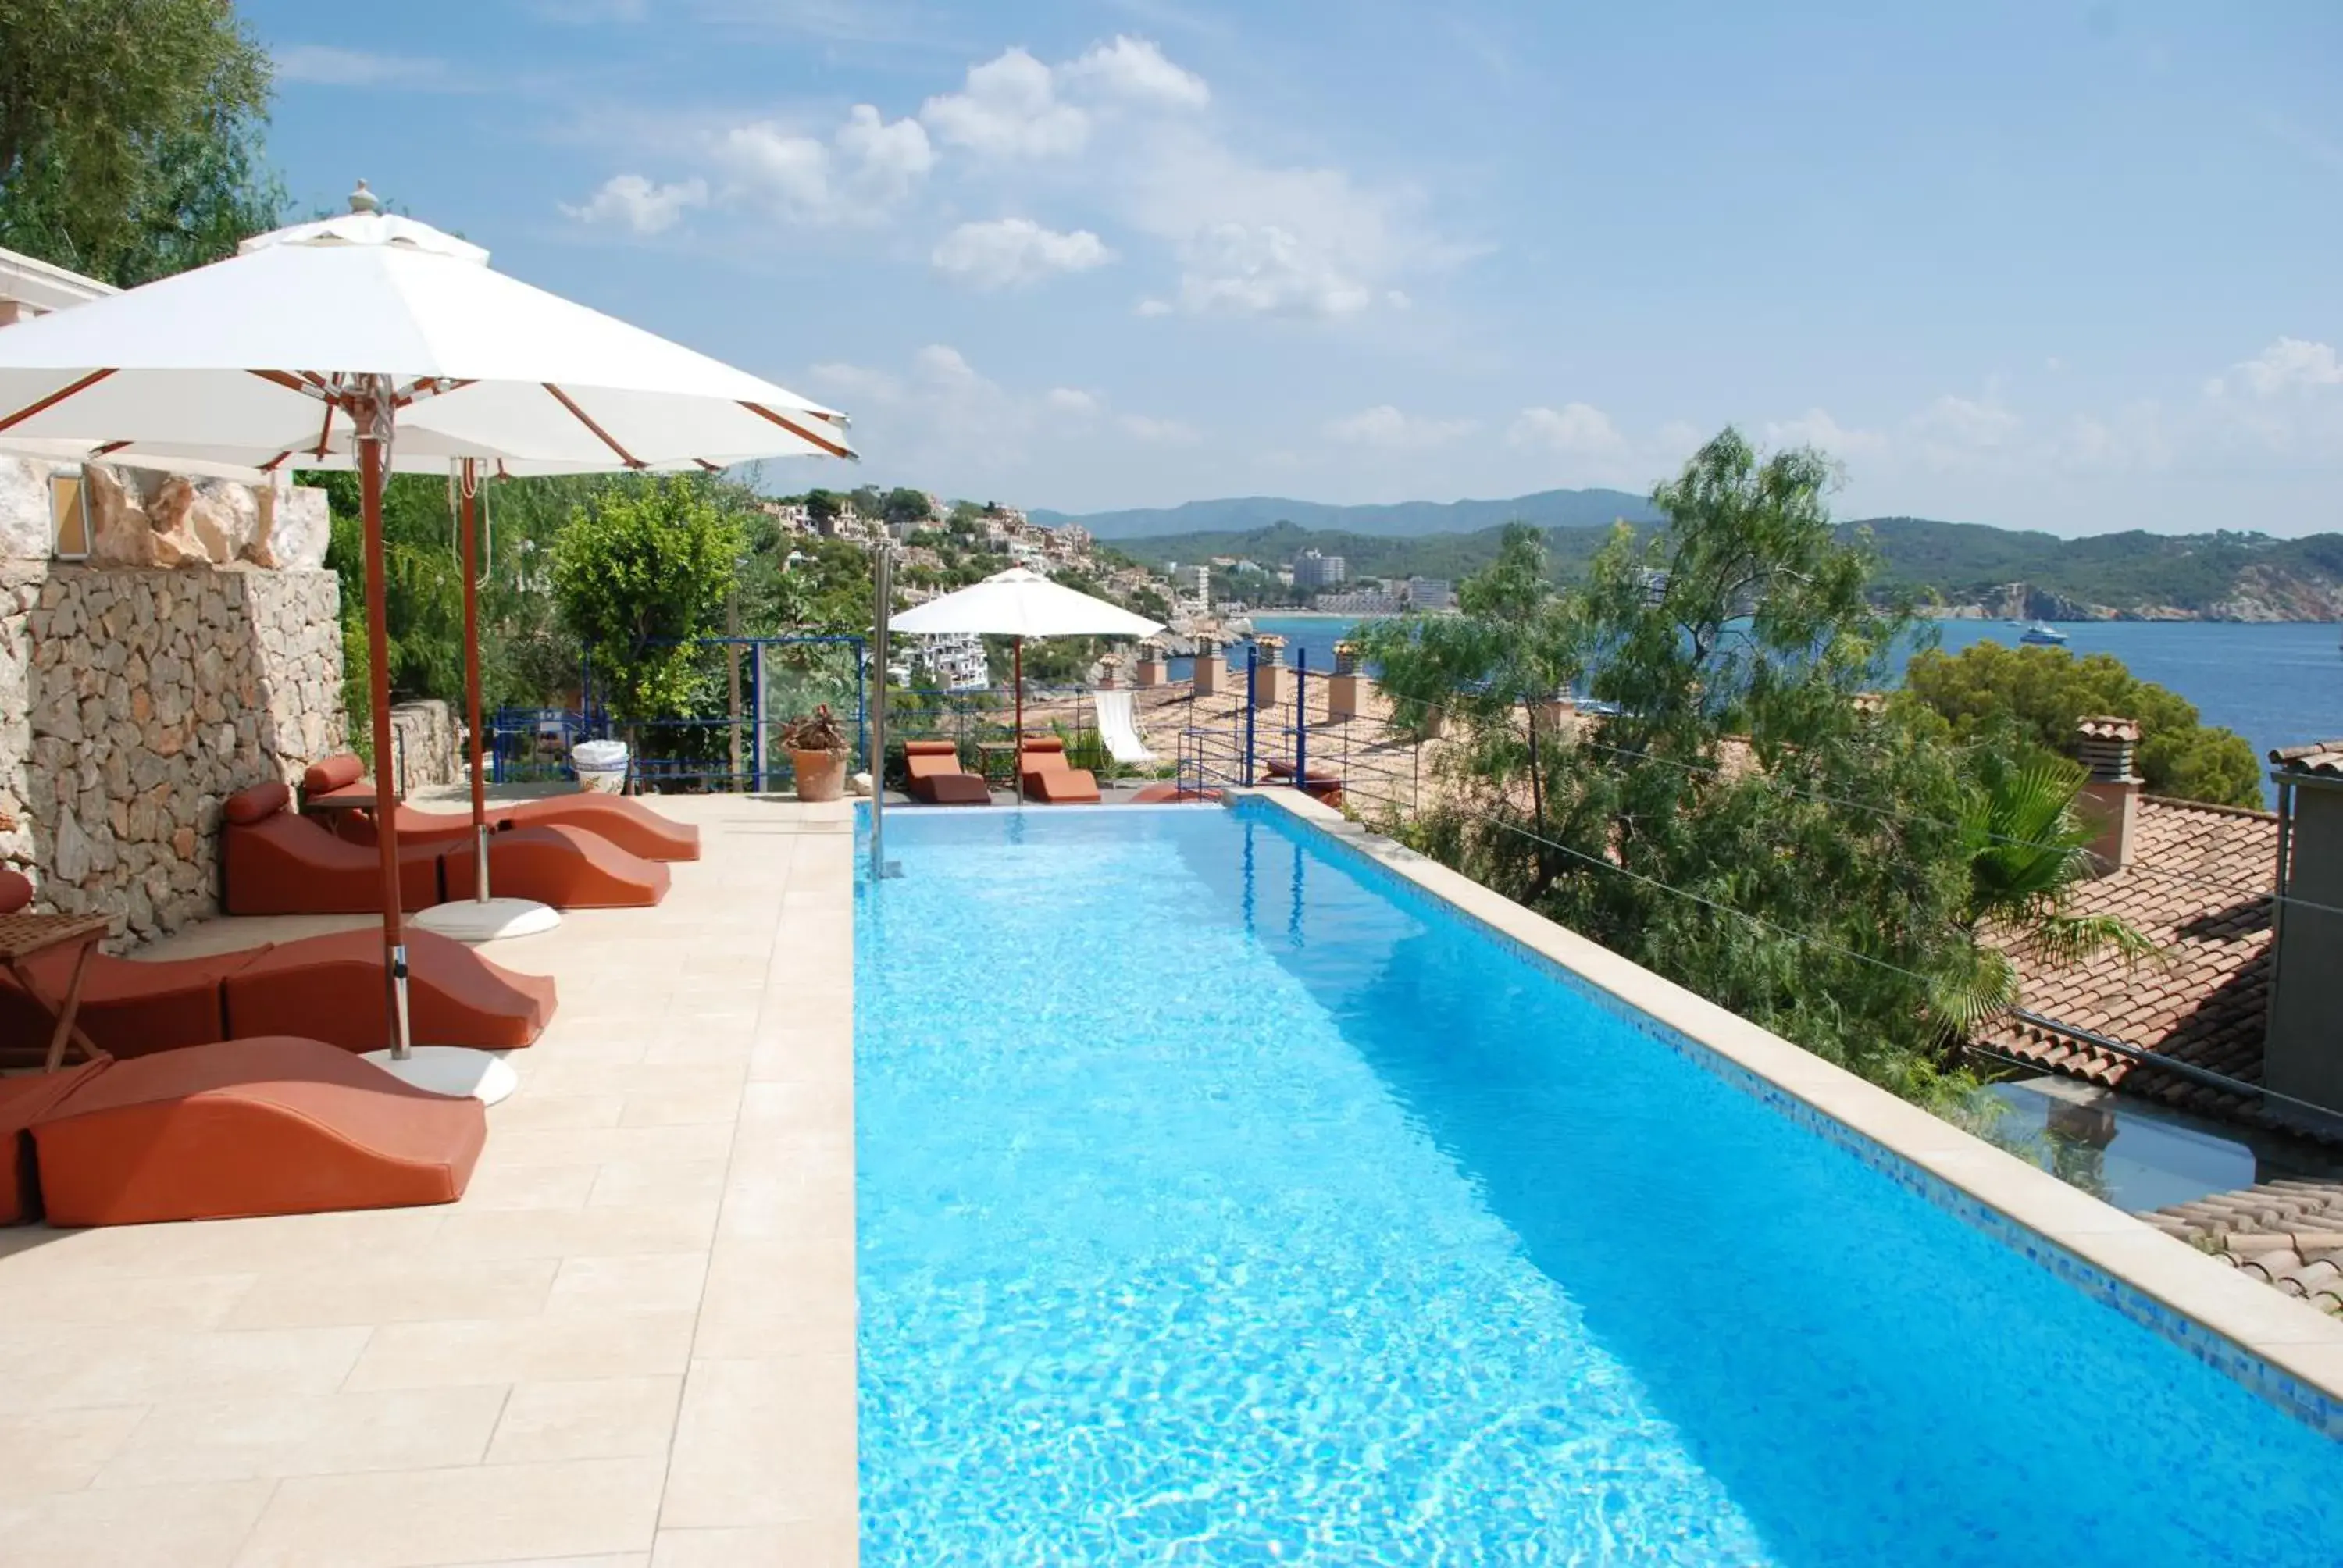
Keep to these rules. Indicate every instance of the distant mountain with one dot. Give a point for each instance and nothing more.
(1547, 510)
(1965, 567)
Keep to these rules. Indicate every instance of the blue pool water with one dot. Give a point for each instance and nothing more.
(1219, 1203)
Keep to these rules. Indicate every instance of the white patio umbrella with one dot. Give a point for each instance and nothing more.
(1019, 604)
(376, 340)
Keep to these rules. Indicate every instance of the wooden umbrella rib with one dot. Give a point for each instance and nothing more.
(54, 399)
(799, 431)
(586, 420)
(289, 381)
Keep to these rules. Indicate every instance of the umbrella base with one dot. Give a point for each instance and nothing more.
(477, 920)
(452, 1069)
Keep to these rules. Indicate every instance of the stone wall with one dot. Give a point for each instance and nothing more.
(132, 702)
(423, 741)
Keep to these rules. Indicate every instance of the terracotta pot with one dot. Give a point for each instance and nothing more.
(821, 774)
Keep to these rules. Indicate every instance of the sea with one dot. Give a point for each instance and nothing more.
(2275, 685)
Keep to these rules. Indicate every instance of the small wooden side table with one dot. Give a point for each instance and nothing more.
(26, 935)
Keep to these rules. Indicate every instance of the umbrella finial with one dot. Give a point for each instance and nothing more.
(363, 200)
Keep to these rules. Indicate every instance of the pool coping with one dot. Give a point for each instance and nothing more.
(2283, 1349)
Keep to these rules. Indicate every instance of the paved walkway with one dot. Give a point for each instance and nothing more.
(631, 1344)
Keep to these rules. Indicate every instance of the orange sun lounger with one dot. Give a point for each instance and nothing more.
(630, 824)
(326, 987)
(932, 773)
(272, 862)
(568, 867)
(246, 1126)
(1043, 775)
(22, 1102)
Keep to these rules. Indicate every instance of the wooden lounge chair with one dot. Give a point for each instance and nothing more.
(247, 1127)
(932, 773)
(627, 823)
(1319, 785)
(1043, 775)
(274, 863)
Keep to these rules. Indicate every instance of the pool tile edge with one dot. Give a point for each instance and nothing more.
(2281, 1349)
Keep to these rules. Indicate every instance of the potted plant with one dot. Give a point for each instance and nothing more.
(816, 747)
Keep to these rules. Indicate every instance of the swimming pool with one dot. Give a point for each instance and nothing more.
(1221, 1201)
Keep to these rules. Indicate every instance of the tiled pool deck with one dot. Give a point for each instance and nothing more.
(632, 1342)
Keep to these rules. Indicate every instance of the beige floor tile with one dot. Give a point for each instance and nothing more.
(606, 1418)
(572, 1145)
(64, 1369)
(596, 1231)
(762, 1443)
(624, 1183)
(61, 1450)
(94, 1300)
(488, 1513)
(639, 1078)
(165, 1526)
(553, 1348)
(531, 1109)
(232, 1246)
(529, 1186)
(405, 1290)
(599, 1560)
(807, 1544)
(254, 1439)
(639, 1282)
(790, 1297)
(700, 1108)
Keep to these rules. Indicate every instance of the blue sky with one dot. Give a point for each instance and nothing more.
(2076, 267)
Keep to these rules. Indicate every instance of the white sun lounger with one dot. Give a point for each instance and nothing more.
(1119, 728)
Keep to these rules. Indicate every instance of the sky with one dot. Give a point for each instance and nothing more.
(2051, 264)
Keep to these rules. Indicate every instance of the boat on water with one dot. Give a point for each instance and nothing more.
(2042, 634)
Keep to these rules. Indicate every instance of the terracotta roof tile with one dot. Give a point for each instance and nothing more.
(2108, 728)
(2319, 756)
(2199, 887)
(2288, 1234)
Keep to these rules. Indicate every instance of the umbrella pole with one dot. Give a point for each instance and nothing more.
(1017, 741)
(372, 429)
(465, 485)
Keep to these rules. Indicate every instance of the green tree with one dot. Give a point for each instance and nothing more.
(130, 135)
(1744, 824)
(2032, 697)
(638, 571)
(904, 505)
(2027, 851)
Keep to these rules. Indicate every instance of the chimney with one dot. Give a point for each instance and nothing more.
(1346, 688)
(2110, 800)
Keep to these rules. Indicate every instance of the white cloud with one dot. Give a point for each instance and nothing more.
(1008, 251)
(634, 203)
(1816, 427)
(1955, 431)
(1009, 109)
(324, 64)
(1136, 71)
(1575, 430)
(1070, 401)
(2289, 365)
(1230, 269)
(1159, 432)
(1385, 426)
(868, 169)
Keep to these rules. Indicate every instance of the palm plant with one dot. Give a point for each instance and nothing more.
(2027, 853)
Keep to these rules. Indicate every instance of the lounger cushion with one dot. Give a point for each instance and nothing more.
(23, 1101)
(565, 867)
(15, 891)
(931, 748)
(130, 1007)
(1061, 785)
(330, 988)
(628, 824)
(256, 804)
(332, 773)
(249, 1127)
(289, 865)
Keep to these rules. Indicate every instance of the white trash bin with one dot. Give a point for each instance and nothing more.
(601, 766)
